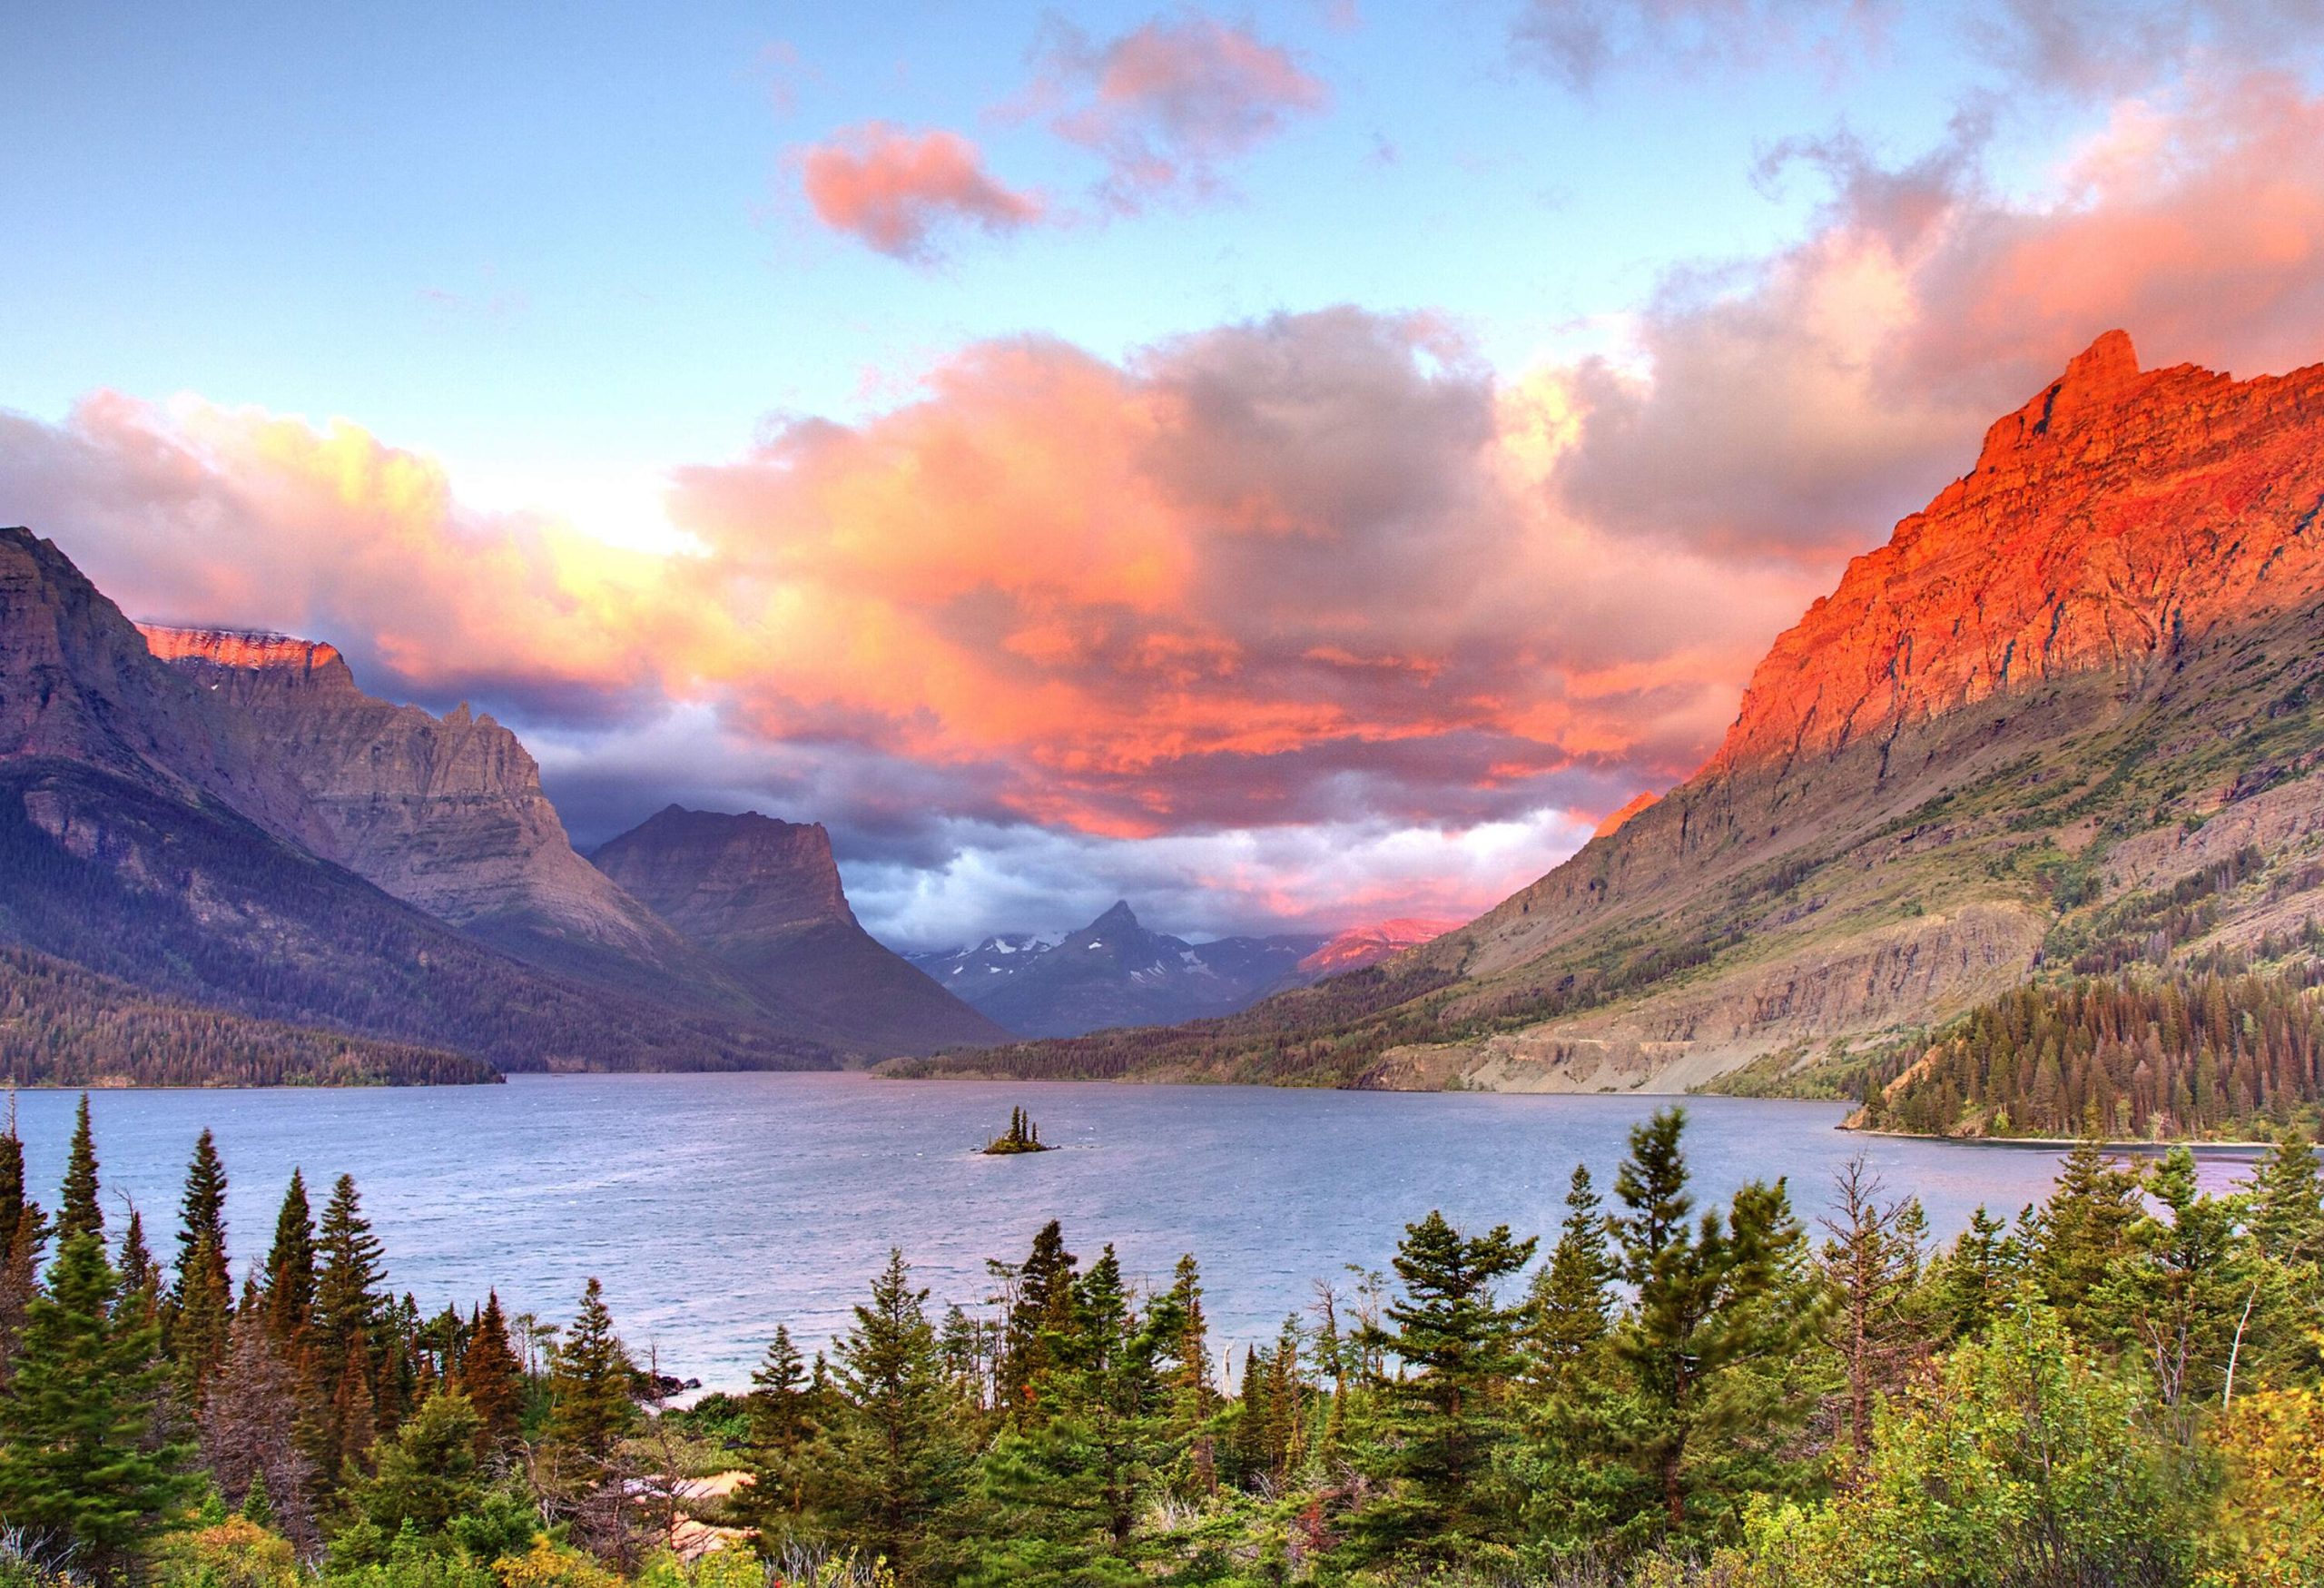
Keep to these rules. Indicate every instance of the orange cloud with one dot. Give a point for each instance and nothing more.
(899, 191)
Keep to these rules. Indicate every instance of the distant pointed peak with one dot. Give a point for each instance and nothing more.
(1121, 914)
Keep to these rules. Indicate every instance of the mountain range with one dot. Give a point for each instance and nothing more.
(2082, 682)
(1116, 973)
(214, 843)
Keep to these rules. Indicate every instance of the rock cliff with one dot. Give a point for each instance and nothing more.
(763, 898)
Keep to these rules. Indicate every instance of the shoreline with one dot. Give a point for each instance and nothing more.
(2068, 1143)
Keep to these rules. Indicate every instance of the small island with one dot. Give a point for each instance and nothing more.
(1023, 1136)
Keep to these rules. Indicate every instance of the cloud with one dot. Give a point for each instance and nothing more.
(1284, 599)
(1169, 103)
(902, 192)
(1790, 405)
(2078, 49)
(1579, 42)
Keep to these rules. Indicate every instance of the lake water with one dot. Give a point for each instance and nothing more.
(714, 1207)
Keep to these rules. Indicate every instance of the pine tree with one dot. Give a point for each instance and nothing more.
(199, 1319)
(79, 1213)
(1445, 1419)
(2287, 1201)
(1041, 1317)
(1571, 1304)
(23, 1235)
(1183, 1337)
(2090, 1223)
(1716, 1303)
(141, 1276)
(1976, 1276)
(782, 1427)
(347, 1314)
(250, 1428)
(291, 1266)
(201, 1225)
(897, 1462)
(1872, 1261)
(593, 1390)
(492, 1378)
(81, 1468)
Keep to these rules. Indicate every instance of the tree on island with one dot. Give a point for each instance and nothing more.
(1022, 1136)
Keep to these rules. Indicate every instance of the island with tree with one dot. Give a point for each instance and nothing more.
(1022, 1136)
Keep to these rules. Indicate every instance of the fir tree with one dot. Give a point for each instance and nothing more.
(492, 1378)
(1041, 1320)
(1571, 1294)
(1975, 1277)
(291, 1266)
(1445, 1419)
(2288, 1200)
(199, 1319)
(2090, 1223)
(348, 1313)
(1715, 1302)
(141, 1276)
(82, 1471)
(593, 1390)
(202, 1226)
(897, 1462)
(78, 1212)
(781, 1428)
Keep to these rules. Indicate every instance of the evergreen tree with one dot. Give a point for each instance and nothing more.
(2179, 1292)
(1041, 1317)
(141, 1276)
(428, 1475)
(201, 1228)
(1570, 1307)
(1872, 1261)
(1444, 1420)
(78, 1213)
(291, 1266)
(492, 1378)
(1721, 1309)
(897, 1463)
(2287, 1201)
(1975, 1277)
(593, 1391)
(82, 1470)
(27, 1228)
(2089, 1223)
(348, 1313)
(782, 1428)
(1182, 1340)
(199, 1319)
(249, 1431)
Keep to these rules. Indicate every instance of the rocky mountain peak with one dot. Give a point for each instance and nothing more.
(250, 659)
(2114, 519)
(717, 874)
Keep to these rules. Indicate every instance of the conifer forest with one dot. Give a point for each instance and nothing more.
(2123, 1385)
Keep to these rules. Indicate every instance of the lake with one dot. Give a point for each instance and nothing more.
(714, 1207)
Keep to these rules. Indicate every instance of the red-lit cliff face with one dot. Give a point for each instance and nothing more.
(2118, 515)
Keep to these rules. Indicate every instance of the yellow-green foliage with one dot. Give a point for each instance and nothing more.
(552, 1566)
(235, 1554)
(2270, 1530)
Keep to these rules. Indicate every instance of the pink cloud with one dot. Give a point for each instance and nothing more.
(900, 191)
(1167, 104)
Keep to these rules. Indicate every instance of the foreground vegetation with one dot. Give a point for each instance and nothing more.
(2122, 1386)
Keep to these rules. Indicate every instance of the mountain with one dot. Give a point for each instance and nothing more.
(763, 899)
(447, 814)
(1359, 946)
(152, 835)
(1114, 973)
(2085, 676)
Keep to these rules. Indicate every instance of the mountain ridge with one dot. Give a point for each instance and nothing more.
(1916, 799)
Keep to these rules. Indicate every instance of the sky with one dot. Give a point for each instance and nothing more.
(1287, 466)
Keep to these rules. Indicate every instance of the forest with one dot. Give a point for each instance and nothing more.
(2123, 1385)
(2202, 1050)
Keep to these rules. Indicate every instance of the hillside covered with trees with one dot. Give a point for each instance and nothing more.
(2123, 1385)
